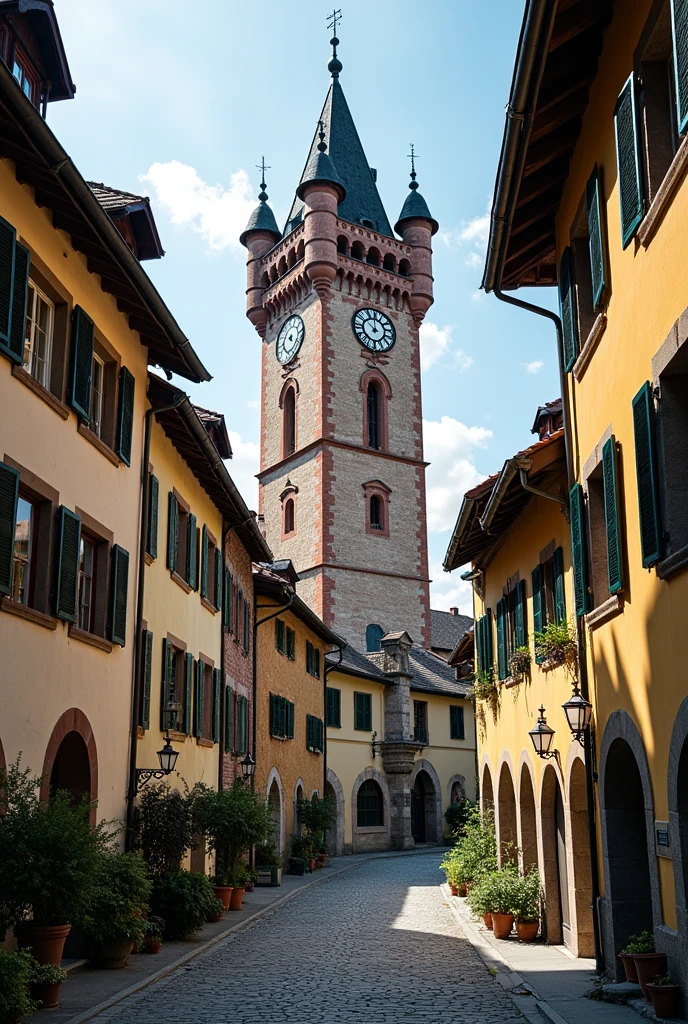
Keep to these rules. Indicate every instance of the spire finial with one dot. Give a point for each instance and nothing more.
(262, 195)
(413, 155)
(335, 65)
(322, 145)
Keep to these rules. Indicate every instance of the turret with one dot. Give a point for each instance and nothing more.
(416, 226)
(321, 190)
(259, 236)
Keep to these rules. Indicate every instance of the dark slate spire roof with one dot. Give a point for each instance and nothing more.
(362, 201)
(321, 169)
(262, 218)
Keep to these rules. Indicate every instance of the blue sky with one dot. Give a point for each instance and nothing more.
(179, 101)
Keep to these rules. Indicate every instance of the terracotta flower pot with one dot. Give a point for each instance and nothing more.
(487, 921)
(46, 941)
(527, 930)
(463, 889)
(224, 893)
(502, 925)
(49, 995)
(236, 898)
(629, 967)
(312, 863)
(454, 889)
(322, 860)
(648, 966)
(112, 955)
(153, 945)
(665, 999)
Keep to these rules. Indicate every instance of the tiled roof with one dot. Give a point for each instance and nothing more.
(432, 674)
(355, 663)
(112, 199)
(446, 629)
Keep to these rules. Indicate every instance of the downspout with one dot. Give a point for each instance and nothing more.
(256, 623)
(523, 479)
(138, 637)
(328, 669)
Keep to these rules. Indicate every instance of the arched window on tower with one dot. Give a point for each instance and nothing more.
(343, 245)
(377, 513)
(374, 634)
(374, 400)
(404, 268)
(389, 262)
(357, 251)
(289, 516)
(289, 423)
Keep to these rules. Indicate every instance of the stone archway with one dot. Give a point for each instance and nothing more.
(486, 790)
(676, 943)
(274, 797)
(507, 834)
(71, 759)
(557, 923)
(579, 862)
(299, 794)
(426, 802)
(527, 821)
(335, 791)
(374, 837)
(3, 763)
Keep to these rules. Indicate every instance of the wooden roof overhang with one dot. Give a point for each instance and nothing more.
(556, 62)
(42, 163)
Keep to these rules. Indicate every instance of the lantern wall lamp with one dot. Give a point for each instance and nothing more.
(578, 713)
(542, 736)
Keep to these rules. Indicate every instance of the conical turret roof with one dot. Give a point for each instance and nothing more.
(415, 206)
(262, 219)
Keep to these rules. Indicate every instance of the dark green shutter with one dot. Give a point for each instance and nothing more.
(188, 692)
(247, 625)
(282, 703)
(521, 615)
(536, 578)
(502, 666)
(166, 682)
(125, 416)
(489, 652)
(559, 586)
(597, 257)
(316, 663)
(81, 359)
(279, 635)
(579, 549)
(20, 290)
(291, 643)
(229, 716)
(198, 698)
(289, 722)
(309, 732)
(217, 703)
(205, 551)
(456, 723)
(333, 711)
(647, 476)
(9, 492)
(611, 516)
(567, 307)
(192, 551)
(218, 579)
(7, 254)
(272, 714)
(628, 161)
(68, 550)
(172, 533)
(242, 725)
(227, 601)
(146, 673)
(119, 581)
(152, 530)
(679, 24)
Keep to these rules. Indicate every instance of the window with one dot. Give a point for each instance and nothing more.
(247, 626)
(369, 805)
(315, 732)
(279, 636)
(241, 731)
(511, 624)
(206, 701)
(657, 100)
(39, 335)
(285, 639)
(376, 497)
(289, 423)
(211, 570)
(456, 725)
(374, 400)
(420, 721)
(289, 519)
(87, 583)
(23, 556)
(605, 575)
(374, 635)
(333, 708)
(182, 541)
(97, 394)
(281, 717)
(177, 687)
(483, 643)
(152, 526)
(377, 513)
(25, 77)
(146, 678)
(549, 599)
(363, 712)
(312, 660)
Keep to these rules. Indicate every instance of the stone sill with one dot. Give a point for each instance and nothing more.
(180, 581)
(673, 564)
(89, 638)
(42, 392)
(605, 611)
(589, 346)
(22, 611)
(210, 607)
(665, 194)
(103, 448)
(201, 741)
(370, 830)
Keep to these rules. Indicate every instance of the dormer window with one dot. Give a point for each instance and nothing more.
(24, 76)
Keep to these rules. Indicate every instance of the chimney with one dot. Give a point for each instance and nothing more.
(454, 611)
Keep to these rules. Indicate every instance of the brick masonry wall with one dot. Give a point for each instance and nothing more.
(238, 665)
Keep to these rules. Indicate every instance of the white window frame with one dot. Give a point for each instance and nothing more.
(34, 294)
(96, 423)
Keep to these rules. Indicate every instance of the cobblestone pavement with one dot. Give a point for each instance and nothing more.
(374, 945)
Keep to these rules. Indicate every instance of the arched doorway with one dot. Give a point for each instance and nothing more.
(580, 849)
(71, 769)
(335, 792)
(71, 759)
(486, 790)
(555, 868)
(423, 809)
(275, 804)
(682, 809)
(507, 837)
(527, 821)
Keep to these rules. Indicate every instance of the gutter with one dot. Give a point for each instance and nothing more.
(462, 524)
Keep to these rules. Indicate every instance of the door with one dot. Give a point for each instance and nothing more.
(418, 811)
(560, 831)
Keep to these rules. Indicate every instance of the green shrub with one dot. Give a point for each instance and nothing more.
(119, 897)
(16, 974)
(184, 900)
(456, 816)
(643, 943)
(317, 816)
(527, 898)
(557, 644)
(501, 890)
(231, 820)
(480, 895)
(266, 854)
(164, 827)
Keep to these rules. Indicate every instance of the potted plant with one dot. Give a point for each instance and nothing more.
(46, 982)
(648, 962)
(455, 872)
(16, 972)
(526, 906)
(637, 943)
(665, 996)
(221, 888)
(268, 866)
(480, 899)
(501, 894)
(484, 687)
(238, 878)
(153, 931)
(557, 645)
(48, 852)
(519, 663)
(184, 900)
(316, 817)
(216, 910)
(119, 899)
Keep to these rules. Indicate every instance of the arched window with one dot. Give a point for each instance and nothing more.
(357, 251)
(404, 268)
(289, 423)
(369, 805)
(373, 257)
(374, 399)
(342, 245)
(389, 262)
(377, 513)
(374, 635)
(289, 513)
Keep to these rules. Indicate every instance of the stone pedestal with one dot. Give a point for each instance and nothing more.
(397, 759)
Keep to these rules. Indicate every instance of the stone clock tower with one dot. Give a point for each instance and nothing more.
(337, 300)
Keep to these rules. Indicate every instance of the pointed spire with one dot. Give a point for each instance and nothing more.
(335, 65)
(321, 169)
(415, 206)
(262, 218)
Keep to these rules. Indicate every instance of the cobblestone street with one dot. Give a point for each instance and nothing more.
(375, 944)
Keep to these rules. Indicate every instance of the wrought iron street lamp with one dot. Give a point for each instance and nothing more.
(542, 735)
(167, 757)
(248, 766)
(578, 713)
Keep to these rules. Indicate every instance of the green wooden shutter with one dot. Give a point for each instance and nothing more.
(247, 625)
(456, 722)
(291, 643)
(188, 692)
(81, 359)
(20, 290)
(310, 743)
(647, 476)
(272, 714)
(198, 698)
(9, 493)
(172, 533)
(68, 550)
(192, 551)
(567, 309)
(152, 529)
(227, 601)
(521, 615)
(489, 652)
(217, 703)
(628, 161)
(289, 723)
(229, 717)
(321, 736)
(125, 416)
(597, 256)
(536, 578)
(146, 674)
(218, 579)
(166, 682)
(205, 551)
(279, 635)
(333, 710)
(7, 255)
(579, 549)
(559, 586)
(679, 24)
(119, 581)
(611, 516)
(502, 666)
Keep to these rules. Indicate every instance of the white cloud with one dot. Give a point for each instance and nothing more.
(533, 367)
(473, 259)
(436, 342)
(477, 295)
(253, 404)
(448, 590)
(462, 360)
(216, 213)
(243, 467)
(477, 230)
(449, 447)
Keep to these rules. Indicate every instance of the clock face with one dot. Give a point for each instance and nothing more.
(374, 330)
(289, 339)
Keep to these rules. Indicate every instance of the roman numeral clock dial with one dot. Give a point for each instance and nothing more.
(374, 330)
(289, 339)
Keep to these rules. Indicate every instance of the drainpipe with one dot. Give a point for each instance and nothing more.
(328, 669)
(138, 637)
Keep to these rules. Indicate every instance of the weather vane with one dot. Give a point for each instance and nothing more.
(262, 167)
(413, 155)
(333, 18)
(335, 65)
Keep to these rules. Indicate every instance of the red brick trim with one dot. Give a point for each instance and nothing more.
(73, 720)
(374, 376)
(366, 569)
(291, 384)
(328, 442)
(376, 489)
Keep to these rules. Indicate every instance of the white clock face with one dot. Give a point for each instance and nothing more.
(289, 339)
(374, 330)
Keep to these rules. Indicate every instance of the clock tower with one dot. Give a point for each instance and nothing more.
(338, 298)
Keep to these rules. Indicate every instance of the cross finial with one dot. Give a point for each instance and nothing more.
(262, 167)
(413, 155)
(333, 19)
(322, 146)
(335, 65)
